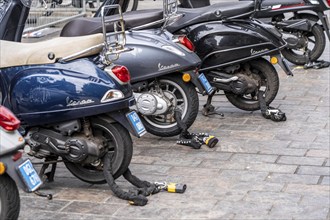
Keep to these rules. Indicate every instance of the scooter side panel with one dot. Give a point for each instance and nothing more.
(66, 91)
(154, 54)
(220, 43)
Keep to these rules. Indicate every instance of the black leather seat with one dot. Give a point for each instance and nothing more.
(211, 13)
(87, 26)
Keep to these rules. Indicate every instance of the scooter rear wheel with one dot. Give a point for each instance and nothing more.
(316, 44)
(184, 97)
(268, 77)
(9, 198)
(119, 141)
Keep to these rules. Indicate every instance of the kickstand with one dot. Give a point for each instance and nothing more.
(49, 176)
(209, 109)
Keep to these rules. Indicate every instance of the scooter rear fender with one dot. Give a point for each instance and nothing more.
(155, 54)
(44, 94)
(223, 43)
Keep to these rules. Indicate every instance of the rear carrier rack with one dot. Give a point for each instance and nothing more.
(114, 42)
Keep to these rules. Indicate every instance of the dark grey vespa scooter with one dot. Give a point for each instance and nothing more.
(163, 68)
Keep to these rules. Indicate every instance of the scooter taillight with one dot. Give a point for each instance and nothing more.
(8, 121)
(186, 42)
(122, 73)
(328, 1)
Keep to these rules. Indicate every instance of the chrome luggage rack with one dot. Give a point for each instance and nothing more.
(114, 42)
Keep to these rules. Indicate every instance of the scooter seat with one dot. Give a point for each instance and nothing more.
(213, 12)
(46, 52)
(86, 26)
(279, 2)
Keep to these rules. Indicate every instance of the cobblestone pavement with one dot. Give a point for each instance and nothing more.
(259, 170)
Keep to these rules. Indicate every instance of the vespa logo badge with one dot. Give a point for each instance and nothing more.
(163, 67)
(76, 103)
(253, 52)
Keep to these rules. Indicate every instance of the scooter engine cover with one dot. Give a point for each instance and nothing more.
(147, 104)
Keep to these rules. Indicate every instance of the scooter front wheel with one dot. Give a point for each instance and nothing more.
(183, 96)
(118, 140)
(9, 198)
(268, 77)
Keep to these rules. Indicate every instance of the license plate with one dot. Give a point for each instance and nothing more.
(29, 175)
(136, 123)
(207, 86)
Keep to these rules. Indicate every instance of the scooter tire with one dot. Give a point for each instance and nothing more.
(270, 79)
(188, 116)
(123, 147)
(9, 198)
(316, 52)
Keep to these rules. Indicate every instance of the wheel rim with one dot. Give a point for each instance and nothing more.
(311, 45)
(252, 98)
(172, 91)
(97, 166)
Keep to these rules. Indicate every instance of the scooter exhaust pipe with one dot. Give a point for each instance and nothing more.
(234, 78)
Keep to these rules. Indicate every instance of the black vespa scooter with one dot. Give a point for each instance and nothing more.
(289, 17)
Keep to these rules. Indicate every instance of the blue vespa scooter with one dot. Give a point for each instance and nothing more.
(72, 101)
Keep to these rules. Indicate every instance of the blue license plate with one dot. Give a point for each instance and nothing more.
(207, 86)
(136, 123)
(29, 175)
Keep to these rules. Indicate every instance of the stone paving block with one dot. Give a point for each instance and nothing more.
(197, 171)
(299, 212)
(276, 168)
(257, 186)
(302, 189)
(312, 200)
(282, 151)
(314, 170)
(272, 197)
(90, 195)
(224, 165)
(30, 203)
(254, 158)
(326, 180)
(145, 168)
(207, 155)
(92, 208)
(315, 161)
(179, 161)
(309, 145)
(243, 175)
(292, 178)
(318, 153)
(297, 137)
(243, 207)
(327, 163)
